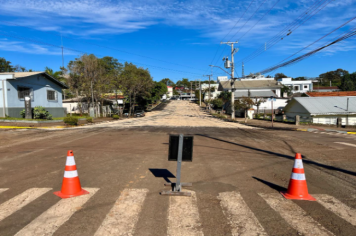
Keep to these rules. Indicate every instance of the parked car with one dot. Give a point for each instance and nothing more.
(139, 114)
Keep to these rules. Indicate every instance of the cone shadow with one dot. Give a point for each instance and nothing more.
(271, 185)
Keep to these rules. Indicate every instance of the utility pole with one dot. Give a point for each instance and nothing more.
(62, 51)
(191, 90)
(209, 93)
(199, 94)
(233, 51)
(243, 70)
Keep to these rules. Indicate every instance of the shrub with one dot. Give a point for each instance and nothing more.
(23, 113)
(116, 117)
(90, 119)
(71, 120)
(41, 113)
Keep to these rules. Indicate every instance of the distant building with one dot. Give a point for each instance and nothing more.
(222, 78)
(265, 88)
(297, 86)
(317, 88)
(214, 91)
(332, 94)
(43, 90)
(323, 110)
(170, 91)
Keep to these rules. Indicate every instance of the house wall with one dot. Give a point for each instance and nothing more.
(39, 86)
(331, 120)
(294, 109)
(267, 105)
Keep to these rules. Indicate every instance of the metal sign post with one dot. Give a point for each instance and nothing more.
(185, 149)
(28, 109)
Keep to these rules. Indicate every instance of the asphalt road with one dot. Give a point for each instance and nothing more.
(237, 173)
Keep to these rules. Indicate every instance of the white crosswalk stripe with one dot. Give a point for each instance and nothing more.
(183, 216)
(3, 190)
(339, 208)
(294, 215)
(49, 221)
(123, 216)
(21, 200)
(240, 217)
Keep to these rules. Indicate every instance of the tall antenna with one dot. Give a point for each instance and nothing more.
(62, 51)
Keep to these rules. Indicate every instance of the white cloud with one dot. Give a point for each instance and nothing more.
(18, 46)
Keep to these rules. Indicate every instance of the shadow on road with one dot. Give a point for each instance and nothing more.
(305, 160)
(271, 185)
(162, 173)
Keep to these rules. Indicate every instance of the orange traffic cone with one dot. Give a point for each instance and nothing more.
(71, 184)
(297, 188)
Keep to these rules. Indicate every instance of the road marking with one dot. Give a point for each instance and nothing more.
(348, 144)
(49, 221)
(3, 190)
(183, 216)
(123, 216)
(241, 218)
(294, 215)
(339, 208)
(21, 200)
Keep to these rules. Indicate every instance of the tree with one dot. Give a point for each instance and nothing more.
(167, 82)
(332, 77)
(184, 83)
(5, 66)
(286, 89)
(225, 96)
(300, 78)
(257, 102)
(348, 82)
(217, 102)
(158, 90)
(280, 76)
(244, 104)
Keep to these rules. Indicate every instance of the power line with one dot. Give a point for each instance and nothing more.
(231, 30)
(259, 20)
(286, 31)
(346, 35)
(82, 52)
(107, 47)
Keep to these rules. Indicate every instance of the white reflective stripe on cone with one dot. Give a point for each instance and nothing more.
(298, 176)
(3, 189)
(70, 174)
(298, 163)
(70, 161)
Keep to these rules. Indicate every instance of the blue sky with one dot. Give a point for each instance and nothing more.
(174, 39)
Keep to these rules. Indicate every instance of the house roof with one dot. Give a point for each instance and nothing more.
(316, 87)
(20, 75)
(331, 94)
(254, 94)
(326, 105)
(249, 84)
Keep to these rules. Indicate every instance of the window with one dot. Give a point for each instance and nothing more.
(23, 92)
(306, 86)
(296, 88)
(51, 95)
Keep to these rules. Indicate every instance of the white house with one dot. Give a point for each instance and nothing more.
(323, 110)
(265, 88)
(170, 91)
(213, 94)
(298, 86)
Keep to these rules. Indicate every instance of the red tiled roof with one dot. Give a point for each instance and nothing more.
(331, 94)
(113, 97)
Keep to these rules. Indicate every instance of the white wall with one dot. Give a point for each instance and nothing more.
(331, 120)
(268, 105)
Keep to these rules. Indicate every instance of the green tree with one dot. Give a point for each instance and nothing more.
(333, 77)
(158, 90)
(167, 82)
(244, 104)
(300, 78)
(225, 96)
(286, 89)
(5, 66)
(348, 82)
(218, 103)
(184, 83)
(278, 76)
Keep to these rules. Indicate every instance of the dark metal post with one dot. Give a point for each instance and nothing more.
(179, 162)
